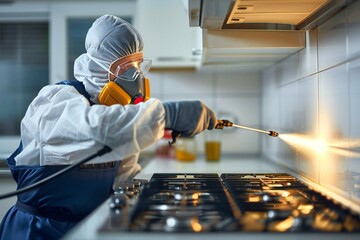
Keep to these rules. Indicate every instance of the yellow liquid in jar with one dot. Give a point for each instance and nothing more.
(183, 155)
(212, 150)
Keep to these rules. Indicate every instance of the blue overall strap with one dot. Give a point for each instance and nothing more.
(79, 86)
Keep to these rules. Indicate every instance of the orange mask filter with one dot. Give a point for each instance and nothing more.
(127, 83)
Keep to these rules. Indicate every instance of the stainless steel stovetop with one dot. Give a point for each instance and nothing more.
(203, 203)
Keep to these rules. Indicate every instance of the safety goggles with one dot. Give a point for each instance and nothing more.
(129, 68)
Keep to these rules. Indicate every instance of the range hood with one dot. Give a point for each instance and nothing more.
(248, 50)
(262, 14)
(253, 34)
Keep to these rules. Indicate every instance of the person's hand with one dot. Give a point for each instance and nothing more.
(188, 117)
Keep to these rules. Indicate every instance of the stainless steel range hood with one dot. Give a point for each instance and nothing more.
(247, 49)
(262, 14)
(253, 34)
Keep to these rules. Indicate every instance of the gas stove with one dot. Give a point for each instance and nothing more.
(203, 203)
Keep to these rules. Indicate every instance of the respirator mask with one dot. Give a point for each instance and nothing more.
(127, 82)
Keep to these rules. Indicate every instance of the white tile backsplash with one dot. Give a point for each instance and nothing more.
(289, 119)
(334, 126)
(308, 104)
(334, 103)
(186, 83)
(353, 29)
(308, 57)
(332, 45)
(289, 70)
(289, 107)
(271, 147)
(247, 112)
(308, 123)
(354, 129)
(320, 101)
(231, 95)
(231, 84)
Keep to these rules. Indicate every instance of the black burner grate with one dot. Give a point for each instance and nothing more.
(230, 203)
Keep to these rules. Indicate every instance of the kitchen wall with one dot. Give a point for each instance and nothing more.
(233, 95)
(316, 93)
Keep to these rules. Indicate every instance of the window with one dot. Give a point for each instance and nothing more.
(24, 68)
(77, 30)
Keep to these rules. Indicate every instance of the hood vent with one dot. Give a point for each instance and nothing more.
(262, 14)
(281, 12)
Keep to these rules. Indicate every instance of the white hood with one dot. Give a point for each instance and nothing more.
(108, 39)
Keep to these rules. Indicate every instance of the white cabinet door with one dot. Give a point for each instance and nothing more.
(168, 39)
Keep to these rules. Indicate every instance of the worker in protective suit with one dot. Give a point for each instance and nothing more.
(109, 104)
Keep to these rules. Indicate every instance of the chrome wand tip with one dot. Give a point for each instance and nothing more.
(273, 134)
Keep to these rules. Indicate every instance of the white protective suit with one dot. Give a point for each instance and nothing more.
(60, 127)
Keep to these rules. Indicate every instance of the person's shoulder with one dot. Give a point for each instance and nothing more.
(53, 91)
(57, 88)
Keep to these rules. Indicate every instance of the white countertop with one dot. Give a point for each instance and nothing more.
(88, 228)
(228, 164)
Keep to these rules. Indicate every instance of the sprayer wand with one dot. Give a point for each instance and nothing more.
(226, 123)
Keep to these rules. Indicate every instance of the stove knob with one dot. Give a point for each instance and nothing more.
(130, 193)
(119, 190)
(129, 190)
(137, 186)
(129, 186)
(138, 183)
(118, 200)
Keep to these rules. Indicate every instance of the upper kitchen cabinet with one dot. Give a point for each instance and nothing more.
(169, 41)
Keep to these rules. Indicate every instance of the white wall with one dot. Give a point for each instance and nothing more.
(233, 95)
(316, 92)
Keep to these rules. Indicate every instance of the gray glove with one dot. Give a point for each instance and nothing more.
(188, 117)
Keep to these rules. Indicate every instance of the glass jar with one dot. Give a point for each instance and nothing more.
(185, 149)
(213, 145)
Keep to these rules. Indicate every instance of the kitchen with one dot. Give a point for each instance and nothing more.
(306, 91)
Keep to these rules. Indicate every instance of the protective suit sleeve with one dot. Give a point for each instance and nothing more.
(60, 127)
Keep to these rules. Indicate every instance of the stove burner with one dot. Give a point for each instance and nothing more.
(183, 197)
(231, 203)
(184, 185)
(182, 221)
